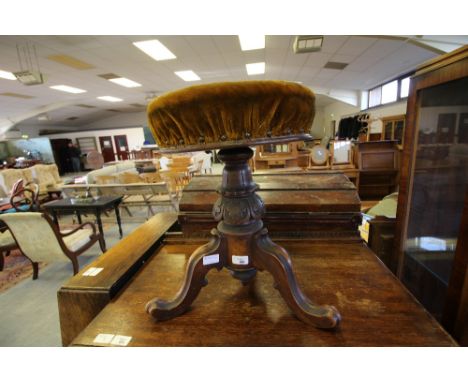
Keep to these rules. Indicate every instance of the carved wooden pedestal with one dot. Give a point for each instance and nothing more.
(242, 245)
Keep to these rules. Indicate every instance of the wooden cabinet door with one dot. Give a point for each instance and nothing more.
(106, 149)
(121, 146)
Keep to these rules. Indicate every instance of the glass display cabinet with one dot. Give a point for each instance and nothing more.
(393, 129)
(431, 252)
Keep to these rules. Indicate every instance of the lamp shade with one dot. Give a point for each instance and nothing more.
(231, 114)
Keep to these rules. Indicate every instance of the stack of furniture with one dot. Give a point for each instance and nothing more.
(46, 176)
(335, 269)
(378, 164)
(325, 204)
(274, 156)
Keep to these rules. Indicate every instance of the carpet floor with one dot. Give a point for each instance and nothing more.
(29, 311)
(16, 268)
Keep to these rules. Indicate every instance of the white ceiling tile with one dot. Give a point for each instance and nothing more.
(327, 73)
(317, 59)
(345, 58)
(331, 44)
(214, 58)
(356, 45)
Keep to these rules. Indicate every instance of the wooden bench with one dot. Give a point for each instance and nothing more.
(134, 194)
(83, 297)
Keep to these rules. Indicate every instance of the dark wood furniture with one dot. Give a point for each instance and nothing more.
(381, 237)
(121, 147)
(281, 156)
(107, 149)
(378, 163)
(82, 298)
(96, 207)
(393, 128)
(376, 309)
(320, 204)
(61, 156)
(432, 196)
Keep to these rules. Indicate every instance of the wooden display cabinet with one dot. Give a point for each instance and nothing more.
(431, 256)
(287, 155)
(393, 129)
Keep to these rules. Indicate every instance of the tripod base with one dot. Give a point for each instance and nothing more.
(242, 245)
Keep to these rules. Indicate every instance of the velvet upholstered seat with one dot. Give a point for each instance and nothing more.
(231, 114)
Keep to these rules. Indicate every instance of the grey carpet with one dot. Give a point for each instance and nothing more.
(29, 311)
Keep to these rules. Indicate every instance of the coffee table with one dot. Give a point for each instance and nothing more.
(96, 207)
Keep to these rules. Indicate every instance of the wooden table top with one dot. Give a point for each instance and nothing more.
(376, 309)
(101, 202)
(296, 192)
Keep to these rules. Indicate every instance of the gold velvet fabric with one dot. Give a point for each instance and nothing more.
(231, 112)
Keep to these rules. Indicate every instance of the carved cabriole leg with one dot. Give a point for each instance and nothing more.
(2, 253)
(194, 280)
(276, 260)
(244, 247)
(35, 270)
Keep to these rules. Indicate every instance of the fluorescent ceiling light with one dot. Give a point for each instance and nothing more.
(110, 99)
(68, 89)
(188, 75)
(7, 75)
(256, 68)
(251, 42)
(122, 81)
(155, 50)
(307, 44)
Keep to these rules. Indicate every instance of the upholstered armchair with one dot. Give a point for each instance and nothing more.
(39, 239)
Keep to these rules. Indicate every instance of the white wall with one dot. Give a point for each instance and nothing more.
(135, 136)
(334, 112)
(119, 120)
(338, 110)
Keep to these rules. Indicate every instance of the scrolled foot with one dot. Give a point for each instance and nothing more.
(276, 260)
(194, 280)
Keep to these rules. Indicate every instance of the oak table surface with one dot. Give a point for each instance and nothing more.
(376, 309)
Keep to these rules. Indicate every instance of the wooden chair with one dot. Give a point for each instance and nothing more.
(7, 244)
(106, 179)
(128, 177)
(176, 180)
(39, 239)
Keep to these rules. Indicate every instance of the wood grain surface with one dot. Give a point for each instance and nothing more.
(376, 309)
(81, 298)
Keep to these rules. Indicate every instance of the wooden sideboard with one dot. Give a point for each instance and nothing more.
(322, 203)
(287, 156)
(376, 309)
(378, 164)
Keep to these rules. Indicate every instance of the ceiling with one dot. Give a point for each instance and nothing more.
(370, 61)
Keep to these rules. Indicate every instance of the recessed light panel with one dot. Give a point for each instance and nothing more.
(255, 68)
(188, 75)
(110, 99)
(125, 82)
(251, 42)
(155, 50)
(68, 89)
(7, 75)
